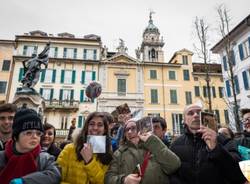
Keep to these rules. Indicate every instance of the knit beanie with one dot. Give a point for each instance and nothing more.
(26, 119)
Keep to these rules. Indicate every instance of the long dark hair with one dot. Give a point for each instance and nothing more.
(81, 138)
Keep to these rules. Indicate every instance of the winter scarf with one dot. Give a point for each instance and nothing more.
(18, 165)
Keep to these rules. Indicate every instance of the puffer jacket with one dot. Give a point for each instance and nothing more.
(199, 165)
(76, 172)
(48, 171)
(162, 162)
(244, 140)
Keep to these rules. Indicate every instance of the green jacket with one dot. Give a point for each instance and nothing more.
(162, 162)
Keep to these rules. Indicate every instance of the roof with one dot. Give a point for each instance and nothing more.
(234, 32)
(180, 52)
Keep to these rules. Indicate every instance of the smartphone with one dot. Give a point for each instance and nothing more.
(138, 170)
(208, 120)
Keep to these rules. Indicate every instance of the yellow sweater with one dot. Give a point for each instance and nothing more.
(76, 172)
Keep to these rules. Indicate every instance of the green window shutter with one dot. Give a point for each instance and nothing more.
(75, 53)
(72, 95)
(214, 92)
(197, 90)
(43, 75)
(54, 76)
(154, 96)
(95, 54)
(232, 57)
(61, 94)
(56, 52)
(245, 80)
(62, 76)
(21, 73)
(81, 95)
(25, 50)
(93, 75)
(73, 79)
(79, 122)
(41, 91)
(64, 52)
(51, 94)
(241, 52)
(85, 54)
(173, 96)
(35, 50)
(83, 77)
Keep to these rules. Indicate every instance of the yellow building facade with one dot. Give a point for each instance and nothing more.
(6, 53)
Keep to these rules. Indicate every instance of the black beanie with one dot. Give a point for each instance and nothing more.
(26, 119)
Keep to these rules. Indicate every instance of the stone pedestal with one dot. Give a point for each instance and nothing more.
(31, 99)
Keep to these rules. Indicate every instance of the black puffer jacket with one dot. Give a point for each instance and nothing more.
(202, 166)
(244, 140)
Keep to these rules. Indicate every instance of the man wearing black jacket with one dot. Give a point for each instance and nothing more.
(204, 160)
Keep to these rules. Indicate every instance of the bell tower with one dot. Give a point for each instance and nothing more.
(152, 44)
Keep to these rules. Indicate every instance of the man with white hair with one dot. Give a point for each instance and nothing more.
(204, 160)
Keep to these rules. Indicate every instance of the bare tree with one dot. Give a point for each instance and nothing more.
(201, 30)
(224, 29)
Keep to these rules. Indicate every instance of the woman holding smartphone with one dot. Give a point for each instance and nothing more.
(142, 158)
(78, 162)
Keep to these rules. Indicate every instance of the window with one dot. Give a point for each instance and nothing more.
(154, 96)
(67, 76)
(232, 56)
(188, 95)
(3, 86)
(196, 78)
(53, 52)
(90, 54)
(244, 49)
(178, 126)
(221, 92)
(226, 116)
(6, 65)
(153, 74)
(214, 92)
(49, 76)
(46, 93)
(70, 53)
(197, 91)
(236, 84)
(185, 60)
(205, 91)
(81, 121)
(246, 78)
(29, 50)
(88, 76)
(121, 86)
(186, 74)
(228, 88)
(171, 75)
(66, 94)
(173, 96)
(217, 113)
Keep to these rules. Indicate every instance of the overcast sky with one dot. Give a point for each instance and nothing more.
(114, 19)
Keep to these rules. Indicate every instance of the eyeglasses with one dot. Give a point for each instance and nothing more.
(30, 133)
(132, 129)
(4, 118)
(246, 120)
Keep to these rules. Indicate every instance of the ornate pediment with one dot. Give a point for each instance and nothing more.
(122, 59)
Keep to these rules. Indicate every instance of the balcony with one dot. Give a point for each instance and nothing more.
(64, 105)
(62, 133)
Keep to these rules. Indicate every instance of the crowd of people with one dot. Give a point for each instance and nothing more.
(120, 151)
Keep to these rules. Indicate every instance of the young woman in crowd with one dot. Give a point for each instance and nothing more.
(141, 158)
(78, 162)
(22, 162)
(48, 140)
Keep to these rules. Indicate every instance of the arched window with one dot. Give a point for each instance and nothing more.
(153, 53)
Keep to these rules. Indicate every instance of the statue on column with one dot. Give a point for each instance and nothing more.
(32, 67)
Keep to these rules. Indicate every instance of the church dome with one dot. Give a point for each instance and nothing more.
(151, 28)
